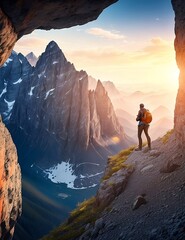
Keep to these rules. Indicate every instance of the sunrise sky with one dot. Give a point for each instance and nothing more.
(131, 44)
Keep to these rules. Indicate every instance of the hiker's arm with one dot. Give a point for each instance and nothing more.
(138, 118)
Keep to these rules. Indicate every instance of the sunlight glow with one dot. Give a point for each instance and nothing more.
(115, 140)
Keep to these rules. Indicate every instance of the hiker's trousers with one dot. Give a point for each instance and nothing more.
(144, 127)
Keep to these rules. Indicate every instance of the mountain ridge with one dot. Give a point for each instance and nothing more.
(85, 124)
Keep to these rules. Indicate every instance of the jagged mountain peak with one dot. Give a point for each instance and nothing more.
(52, 54)
(52, 47)
(110, 88)
(31, 54)
(100, 88)
(32, 59)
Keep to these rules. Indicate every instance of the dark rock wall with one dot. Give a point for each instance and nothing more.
(179, 118)
(8, 37)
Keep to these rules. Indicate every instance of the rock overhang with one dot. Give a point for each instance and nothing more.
(21, 17)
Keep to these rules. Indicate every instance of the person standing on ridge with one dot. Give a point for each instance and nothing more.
(143, 125)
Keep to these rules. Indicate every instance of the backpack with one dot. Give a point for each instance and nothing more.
(147, 118)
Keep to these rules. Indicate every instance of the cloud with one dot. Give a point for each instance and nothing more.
(105, 33)
(157, 45)
(155, 52)
(28, 44)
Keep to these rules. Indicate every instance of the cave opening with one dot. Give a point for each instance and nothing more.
(138, 58)
(131, 44)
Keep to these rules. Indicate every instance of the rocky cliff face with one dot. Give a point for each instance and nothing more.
(10, 185)
(18, 18)
(179, 120)
(8, 37)
(12, 73)
(61, 121)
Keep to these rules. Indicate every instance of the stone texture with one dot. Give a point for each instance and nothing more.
(8, 37)
(10, 185)
(169, 167)
(140, 200)
(179, 120)
(18, 17)
(110, 188)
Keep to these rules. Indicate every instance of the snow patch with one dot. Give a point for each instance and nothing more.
(7, 61)
(62, 173)
(81, 78)
(10, 104)
(96, 164)
(41, 74)
(18, 81)
(48, 92)
(91, 175)
(31, 91)
(4, 91)
(63, 195)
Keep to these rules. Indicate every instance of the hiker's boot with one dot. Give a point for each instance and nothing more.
(138, 149)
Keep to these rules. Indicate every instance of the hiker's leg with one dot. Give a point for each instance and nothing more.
(140, 129)
(147, 136)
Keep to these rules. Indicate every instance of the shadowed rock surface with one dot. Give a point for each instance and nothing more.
(8, 37)
(179, 120)
(10, 185)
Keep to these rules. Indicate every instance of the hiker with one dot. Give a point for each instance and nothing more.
(143, 125)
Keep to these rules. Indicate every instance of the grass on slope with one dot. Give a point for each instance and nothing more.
(166, 137)
(88, 211)
(116, 162)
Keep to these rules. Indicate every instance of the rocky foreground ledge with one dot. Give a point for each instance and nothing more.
(10, 185)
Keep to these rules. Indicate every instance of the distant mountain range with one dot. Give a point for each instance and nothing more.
(69, 129)
(32, 59)
(126, 106)
(161, 123)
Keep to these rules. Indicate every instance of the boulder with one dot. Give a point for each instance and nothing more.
(140, 200)
(109, 189)
(169, 167)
